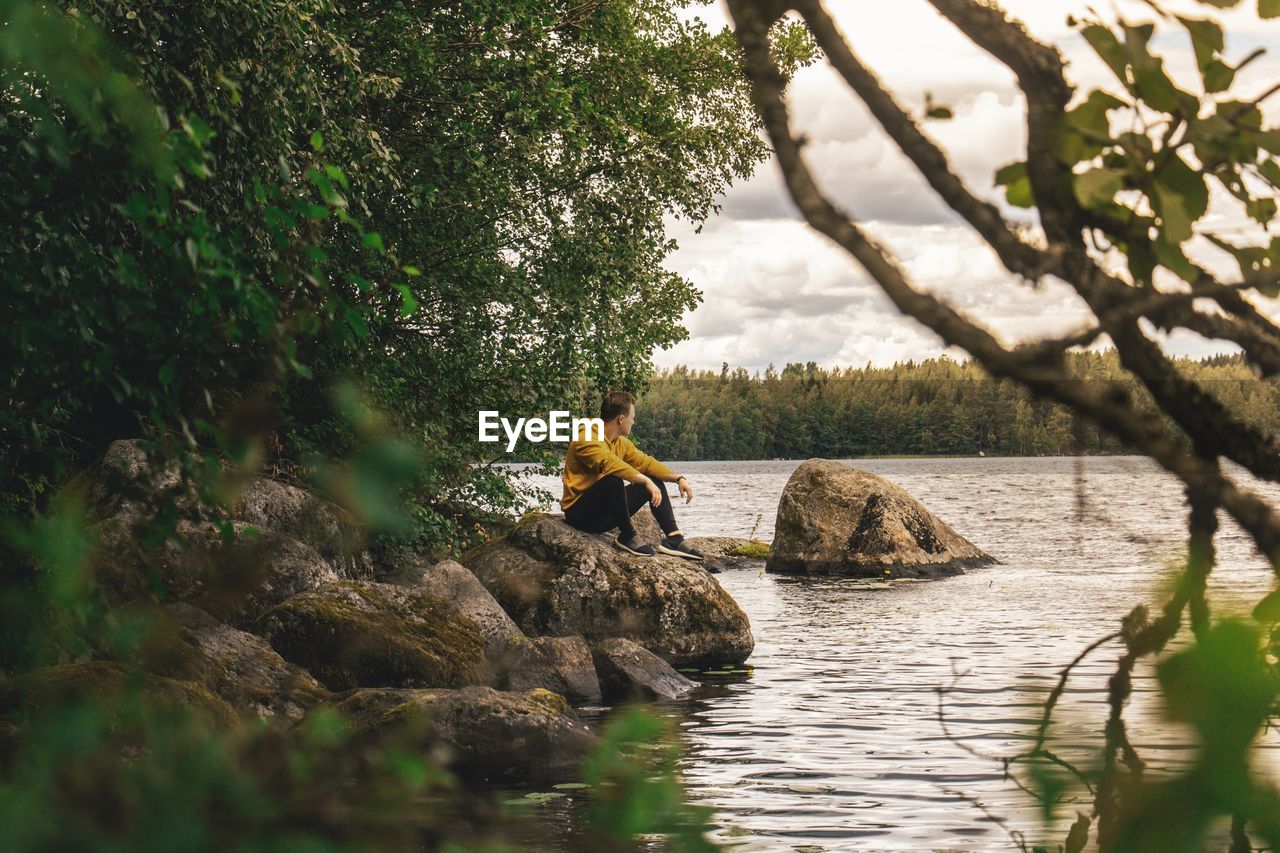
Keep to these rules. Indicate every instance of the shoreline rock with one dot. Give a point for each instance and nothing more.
(629, 671)
(558, 581)
(482, 734)
(366, 634)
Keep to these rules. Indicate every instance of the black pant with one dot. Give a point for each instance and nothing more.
(611, 502)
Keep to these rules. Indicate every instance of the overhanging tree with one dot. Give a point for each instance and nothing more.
(1128, 170)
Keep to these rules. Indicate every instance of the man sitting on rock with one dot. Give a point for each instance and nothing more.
(605, 482)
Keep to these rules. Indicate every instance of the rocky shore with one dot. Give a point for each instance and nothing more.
(480, 663)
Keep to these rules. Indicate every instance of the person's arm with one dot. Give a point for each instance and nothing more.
(645, 463)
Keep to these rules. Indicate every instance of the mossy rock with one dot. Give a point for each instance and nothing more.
(482, 734)
(236, 581)
(365, 634)
(557, 581)
(240, 667)
(33, 692)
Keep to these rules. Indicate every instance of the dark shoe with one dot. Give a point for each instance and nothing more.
(635, 545)
(680, 548)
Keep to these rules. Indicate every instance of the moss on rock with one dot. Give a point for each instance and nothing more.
(363, 634)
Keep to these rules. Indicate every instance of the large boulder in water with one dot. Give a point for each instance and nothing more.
(558, 581)
(834, 519)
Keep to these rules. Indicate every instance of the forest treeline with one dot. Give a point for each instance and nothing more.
(938, 406)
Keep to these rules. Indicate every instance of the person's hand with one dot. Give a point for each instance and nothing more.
(685, 491)
(655, 494)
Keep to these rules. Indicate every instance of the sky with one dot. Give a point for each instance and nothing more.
(774, 291)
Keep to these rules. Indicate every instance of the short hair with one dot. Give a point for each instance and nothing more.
(615, 403)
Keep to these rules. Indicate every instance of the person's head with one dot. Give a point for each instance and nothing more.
(619, 408)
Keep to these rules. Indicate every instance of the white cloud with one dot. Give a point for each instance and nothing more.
(775, 291)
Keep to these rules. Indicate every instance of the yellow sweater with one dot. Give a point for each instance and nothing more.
(587, 461)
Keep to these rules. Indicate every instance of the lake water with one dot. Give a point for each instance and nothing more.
(832, 741)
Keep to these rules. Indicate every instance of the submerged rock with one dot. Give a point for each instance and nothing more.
(558, 581)
(480, 733)
(629, 671)
(243, 669)
(365, 634)
(560, 664)
(834, 519)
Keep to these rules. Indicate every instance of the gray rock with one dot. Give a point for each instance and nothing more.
(50, 688)
(454, 583)
(243, 669)
(330, 529)
(834, 519)
(628, 671)
(560, 664)
(481, 734)
(365, 634)
(719, 551)
(554, 580)
(123, 482)
(236, 581)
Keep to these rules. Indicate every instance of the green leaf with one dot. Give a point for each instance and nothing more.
(357, 322)
(1262, 210)
(317, 141)
(1269, 140)
(1013, 178)
(373, 240)
(1268, 609)
(410, 304)
(1250, 259)
(1091, 117)
(1011, 172)
(1108, 48)
(1206, 39)
(1188, 183)
(1098, 187)
(1172, 209)
(1142, 262)
(1172, 259)
(1269, 8)
(1270, 170)
(1218, 76)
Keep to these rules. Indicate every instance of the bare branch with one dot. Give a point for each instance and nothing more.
(1016, 254)
(1108, 404)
